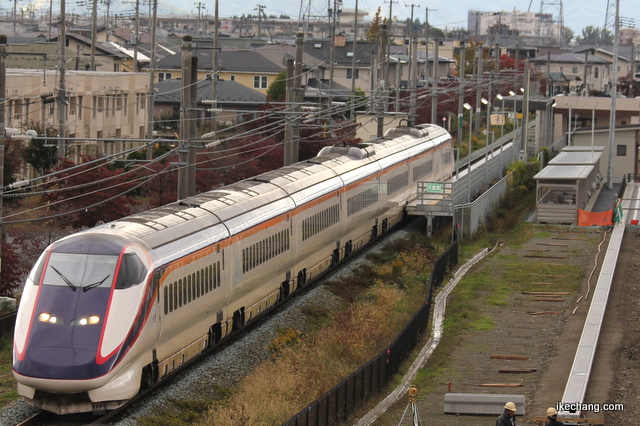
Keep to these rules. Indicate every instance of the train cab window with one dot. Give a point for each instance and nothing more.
(86, 271)
(132, 271)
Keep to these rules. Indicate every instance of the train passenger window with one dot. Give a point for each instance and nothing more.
(170, 298)
(196, 287)
(218, 275)
(183, 283)
(175, 295)
(131, 272)
(166, 302)
(180, 293)
(189, 288)
(205, 279)
(204, 288)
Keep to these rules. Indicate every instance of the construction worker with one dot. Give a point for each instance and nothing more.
(508, 416)
(552, 415)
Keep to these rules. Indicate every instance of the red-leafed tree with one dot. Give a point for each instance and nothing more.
(20, 248)
(88, 194)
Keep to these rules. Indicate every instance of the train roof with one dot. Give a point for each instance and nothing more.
(242, 205)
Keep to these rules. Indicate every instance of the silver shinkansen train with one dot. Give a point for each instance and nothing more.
(113, 309)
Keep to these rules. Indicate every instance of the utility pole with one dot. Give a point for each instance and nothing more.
(152, 78)
(478, 53)
(214, 73)
(413, 59)
(525, 111)
(259, 9)
(187, 166)
(413, 75)
(288, 127)
(62, 91)
(3, 131)
(136, 29)
(199, 6)
(434, 88)
(461, 77)
(298, 95)
(384, 71)
(332, 16)
(352, 114)
(94, 24)
(614, 95)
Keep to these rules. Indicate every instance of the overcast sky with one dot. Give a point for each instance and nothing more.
(578, 14)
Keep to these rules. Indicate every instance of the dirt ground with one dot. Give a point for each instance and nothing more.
(549, 340)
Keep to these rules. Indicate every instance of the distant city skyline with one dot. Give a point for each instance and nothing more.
(577, 14)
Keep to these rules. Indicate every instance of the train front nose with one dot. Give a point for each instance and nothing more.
(60, 363)
(64, 335)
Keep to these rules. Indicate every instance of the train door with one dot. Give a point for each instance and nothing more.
(157, 316)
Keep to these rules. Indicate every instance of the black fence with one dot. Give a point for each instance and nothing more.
(335, 406)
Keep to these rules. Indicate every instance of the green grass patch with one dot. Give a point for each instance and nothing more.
(8, 392)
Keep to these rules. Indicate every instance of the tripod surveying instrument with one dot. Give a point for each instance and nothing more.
(413, 399)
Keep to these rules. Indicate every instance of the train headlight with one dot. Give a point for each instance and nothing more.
(88, 320)
(50, 319)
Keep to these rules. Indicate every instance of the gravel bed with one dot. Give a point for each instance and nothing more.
(229, 365)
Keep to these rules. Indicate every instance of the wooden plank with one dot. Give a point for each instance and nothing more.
(581, 420)
(517, 370)
(501, 385)
(519, 357)
(567, 238)
(550, 276)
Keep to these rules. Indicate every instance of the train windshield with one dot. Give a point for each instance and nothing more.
(80, 271)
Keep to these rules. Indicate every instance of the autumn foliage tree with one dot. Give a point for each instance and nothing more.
(20, 247)
(83, 196)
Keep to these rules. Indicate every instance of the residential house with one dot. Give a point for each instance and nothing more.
(584, 71)
(625, 54)
(238, 103)
(106, 57)
(246, 66)
(343, 71)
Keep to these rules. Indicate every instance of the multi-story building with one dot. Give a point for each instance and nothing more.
(98, 105)
(529, 25)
